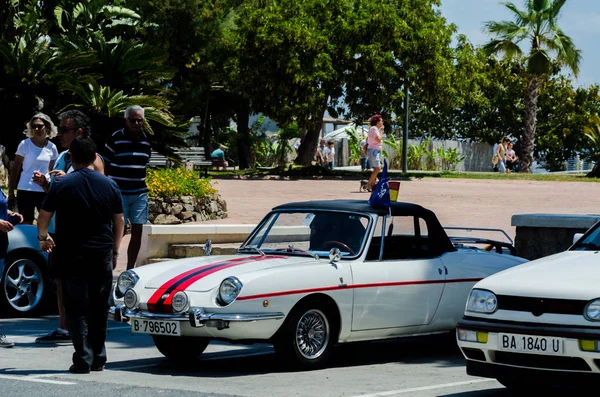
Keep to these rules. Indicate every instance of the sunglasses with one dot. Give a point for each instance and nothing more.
(135, 121)
(37, 126)
(65, 129)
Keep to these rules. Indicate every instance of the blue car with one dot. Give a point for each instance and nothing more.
(26, 285)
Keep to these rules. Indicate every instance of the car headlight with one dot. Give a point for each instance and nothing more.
(592, 310)
(127, 279)
(482, 301)
(229, 289)
(130, 299)
(179, 302)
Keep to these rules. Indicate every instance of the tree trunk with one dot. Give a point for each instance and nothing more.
(308, 147)
(595, 172)
(528, 140)
(244, 155)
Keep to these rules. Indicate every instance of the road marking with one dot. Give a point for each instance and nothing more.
(32, 379)
(423, 388)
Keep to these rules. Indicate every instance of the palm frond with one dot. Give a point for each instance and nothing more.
(508, 48)
(521, 17)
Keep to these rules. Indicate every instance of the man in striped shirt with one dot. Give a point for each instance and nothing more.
(126, 155)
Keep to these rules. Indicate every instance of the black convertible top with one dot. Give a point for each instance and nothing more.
(435, 230)
(398, 208)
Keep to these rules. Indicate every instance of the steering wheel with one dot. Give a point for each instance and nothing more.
(337, 244)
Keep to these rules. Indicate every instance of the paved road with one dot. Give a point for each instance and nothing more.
(417, 367)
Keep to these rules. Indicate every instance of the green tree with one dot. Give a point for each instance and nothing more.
(537, 25)
(298, 59)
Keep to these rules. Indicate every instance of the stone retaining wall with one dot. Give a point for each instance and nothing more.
(539, 235)
(185, 209)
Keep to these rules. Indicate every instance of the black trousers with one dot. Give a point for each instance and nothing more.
(86, 292)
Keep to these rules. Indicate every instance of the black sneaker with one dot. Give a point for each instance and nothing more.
(55, 337)
(4, 342)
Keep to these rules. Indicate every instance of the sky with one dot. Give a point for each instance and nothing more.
(579, 19)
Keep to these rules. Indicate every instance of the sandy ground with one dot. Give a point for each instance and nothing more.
(456, 202)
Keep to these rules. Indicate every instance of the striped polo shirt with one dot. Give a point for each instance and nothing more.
(126, 161)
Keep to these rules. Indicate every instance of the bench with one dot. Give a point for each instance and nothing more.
(194, 155)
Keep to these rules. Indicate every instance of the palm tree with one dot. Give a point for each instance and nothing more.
(538, 25)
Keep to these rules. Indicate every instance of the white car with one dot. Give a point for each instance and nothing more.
(538, 325)
(312, 275)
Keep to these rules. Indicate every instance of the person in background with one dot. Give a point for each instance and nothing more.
(73, 123)
(8, 220)
(84, 248)
(375, 142)
(218, 158)
(321, 149)
(501, 153)
(511, 159)
(364, 160)
(330, 154)
(35, 153)
(126, 155)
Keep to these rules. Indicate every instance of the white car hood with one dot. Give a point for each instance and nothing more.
(205, 273)
(566, 275)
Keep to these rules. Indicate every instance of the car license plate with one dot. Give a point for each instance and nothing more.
(530, 344)
(155, 327)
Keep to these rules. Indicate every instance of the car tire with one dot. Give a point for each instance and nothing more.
(25, 287)
(306, 340)
(180, 348)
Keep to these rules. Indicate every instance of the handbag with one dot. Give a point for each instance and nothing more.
(495, 159)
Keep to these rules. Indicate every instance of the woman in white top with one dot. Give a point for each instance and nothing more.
(35, 153)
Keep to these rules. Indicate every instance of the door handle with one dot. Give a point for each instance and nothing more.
(439, 271)
(446, 269)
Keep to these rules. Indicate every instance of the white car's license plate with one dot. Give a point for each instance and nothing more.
(155, 327)
(530, 344)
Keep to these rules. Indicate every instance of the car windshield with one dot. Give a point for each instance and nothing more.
(591, 242)
(309, 233)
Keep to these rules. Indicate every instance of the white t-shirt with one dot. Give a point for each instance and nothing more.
(35, 158)
(330, 153)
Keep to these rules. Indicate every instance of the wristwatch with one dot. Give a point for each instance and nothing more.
(45, 238)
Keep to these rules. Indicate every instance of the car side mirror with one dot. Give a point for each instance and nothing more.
(576, 237)
(207, 248)
(334, 255)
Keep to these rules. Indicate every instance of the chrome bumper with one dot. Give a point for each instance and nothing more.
(197, 317)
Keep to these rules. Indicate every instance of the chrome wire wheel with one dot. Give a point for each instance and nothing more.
(312, 334)
(23, 285)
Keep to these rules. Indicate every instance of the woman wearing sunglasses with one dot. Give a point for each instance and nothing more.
(35, 153)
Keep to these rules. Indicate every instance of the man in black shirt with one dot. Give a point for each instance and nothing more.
(89, 229)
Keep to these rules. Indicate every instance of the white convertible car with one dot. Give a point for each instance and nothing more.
(538, 325)
(312, 275)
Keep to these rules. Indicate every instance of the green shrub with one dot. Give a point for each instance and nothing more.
(177, 182)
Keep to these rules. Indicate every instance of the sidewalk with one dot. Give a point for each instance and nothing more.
(456, 202)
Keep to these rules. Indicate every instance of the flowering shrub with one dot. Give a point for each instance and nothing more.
(177, 182)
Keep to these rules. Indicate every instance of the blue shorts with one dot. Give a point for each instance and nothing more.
(135, 208)
(374, 157)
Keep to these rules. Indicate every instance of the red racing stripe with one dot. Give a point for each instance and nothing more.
(183, 286)
(189, 277)
(355, 286)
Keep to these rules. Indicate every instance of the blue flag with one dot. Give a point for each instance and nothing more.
(381, 193)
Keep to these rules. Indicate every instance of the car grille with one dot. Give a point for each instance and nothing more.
(541, 361)
(539, 306)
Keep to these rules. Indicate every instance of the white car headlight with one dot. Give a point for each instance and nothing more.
(592, 310)
(482, 301)
(130, 299)
(229, 289)
(179, 302)
(127, 279)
